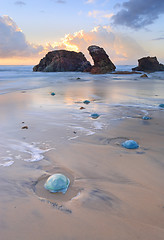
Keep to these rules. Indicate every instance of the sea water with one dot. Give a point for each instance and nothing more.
(112, 96)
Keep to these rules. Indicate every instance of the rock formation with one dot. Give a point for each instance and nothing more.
(149, 64)
(102, 63)
(63, 61)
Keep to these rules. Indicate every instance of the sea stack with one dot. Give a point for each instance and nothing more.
(63, 61)
(102, 63)
(149, 64)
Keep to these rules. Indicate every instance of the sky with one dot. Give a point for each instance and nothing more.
(126, 29)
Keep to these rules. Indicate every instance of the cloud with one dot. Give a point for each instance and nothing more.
(61, 1)
(137, 14)
(120, 48)
(13, 42)
(90, 1)
(99, 14)
(20, 3)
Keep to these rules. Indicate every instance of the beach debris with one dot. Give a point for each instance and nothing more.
(52, 94)
(74, 132)
(78, 78)
(161, 105)
(86, 102)
(57, 183)
(25, 127)
(81, 108)
(130, 144)
(95, 115)
(144, 76)
(146, 118)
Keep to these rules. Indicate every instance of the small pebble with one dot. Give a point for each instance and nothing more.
(144, 76)
(25, 127)
(81, 108)
(130, 144)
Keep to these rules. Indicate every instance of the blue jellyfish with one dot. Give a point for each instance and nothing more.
(86, 102)
(57, 183)
(130, 144)
(146, 118)
(95, 115)
(52, 94)
(161, 105)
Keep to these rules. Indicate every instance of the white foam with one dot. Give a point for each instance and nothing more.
(35, 152)
(8, 161)
(72, 138)
(6, 164)
(87, 131)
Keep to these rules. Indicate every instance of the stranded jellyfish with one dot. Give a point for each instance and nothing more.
(57, 183)
(130, 144)
(86, 102)
(95, 115)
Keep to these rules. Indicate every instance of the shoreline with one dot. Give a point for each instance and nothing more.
(115, 193)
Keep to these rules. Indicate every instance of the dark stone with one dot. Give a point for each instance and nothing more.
(149, 64)
(144, 76)
(102, 63)
(63, 61)
(25, 127)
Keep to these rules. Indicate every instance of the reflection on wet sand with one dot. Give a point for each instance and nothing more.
(114, 193)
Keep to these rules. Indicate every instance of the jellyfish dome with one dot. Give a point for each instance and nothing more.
(130, 144)
(161, 105)
(95, 115)
(146, 118)
(86, 102)
(57, 183)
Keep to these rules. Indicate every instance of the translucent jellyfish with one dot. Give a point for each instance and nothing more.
(57, 183)
(86, 102)
(95, 115)
(161, 105)
(130, 144)
(146, 118)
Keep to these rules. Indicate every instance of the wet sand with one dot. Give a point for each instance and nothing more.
(115, 193)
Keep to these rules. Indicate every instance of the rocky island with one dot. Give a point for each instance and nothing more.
(102, 63)
(70, 61)
(149, 64)
(63, 61)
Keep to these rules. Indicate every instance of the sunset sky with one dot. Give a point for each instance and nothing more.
(126, 29)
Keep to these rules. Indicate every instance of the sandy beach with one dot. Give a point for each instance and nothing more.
(115, 193)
